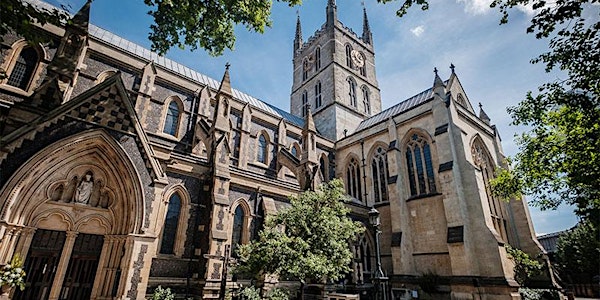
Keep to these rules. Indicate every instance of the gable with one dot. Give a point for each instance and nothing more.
(106, 105)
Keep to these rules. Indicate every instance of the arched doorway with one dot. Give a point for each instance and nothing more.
(70, 210)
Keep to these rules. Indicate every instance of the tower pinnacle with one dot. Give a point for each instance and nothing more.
(331, 13)
(298, 38)
(367, 36)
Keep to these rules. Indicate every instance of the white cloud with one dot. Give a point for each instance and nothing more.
(476, 7)
(417, 31)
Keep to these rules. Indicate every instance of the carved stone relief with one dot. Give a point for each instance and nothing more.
(82, 189)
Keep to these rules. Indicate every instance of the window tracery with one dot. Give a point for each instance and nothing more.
(23, 69)
(352, 91)
(353, 179)
(380, 175)
(318, 94)
(420, 166)
(483, 160)
(366, 99)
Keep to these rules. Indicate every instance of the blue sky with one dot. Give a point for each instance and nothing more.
(491, 61)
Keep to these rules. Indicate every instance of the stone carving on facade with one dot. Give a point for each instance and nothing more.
(83, 193)
(82, 190)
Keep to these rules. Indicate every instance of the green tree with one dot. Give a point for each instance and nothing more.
(193, 23)
(525, 266)
(578, 253)
(559, 158)
(308, 241)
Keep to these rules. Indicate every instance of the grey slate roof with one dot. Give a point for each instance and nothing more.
(397, 109)
(143, 53)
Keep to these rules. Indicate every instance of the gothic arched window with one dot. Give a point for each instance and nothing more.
(366, 99)
(348, 56)
(483, 160)
(323, 168)
(172, 119)
(305, 68)
(380, 175)
(318, 94)
(364, 258)
(304, 103)
(169, 234)
(261, 153)
(295, 150)
(24, 67)
(237, 234)
(420, 166)
(352, 91)
(318, 58)
(353, 179)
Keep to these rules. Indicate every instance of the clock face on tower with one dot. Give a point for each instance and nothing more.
(357, 59)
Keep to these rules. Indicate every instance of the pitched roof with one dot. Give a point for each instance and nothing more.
(145, 54)
(397, 109)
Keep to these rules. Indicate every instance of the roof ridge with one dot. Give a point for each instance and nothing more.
(126, 45)
(398, 108)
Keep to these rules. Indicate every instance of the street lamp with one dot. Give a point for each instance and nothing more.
(379, 278)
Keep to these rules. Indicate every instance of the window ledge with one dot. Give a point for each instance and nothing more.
(423, 196)
(15, 90)
(260, 165)
(167, 136)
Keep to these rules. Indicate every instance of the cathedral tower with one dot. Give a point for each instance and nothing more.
(334, 74)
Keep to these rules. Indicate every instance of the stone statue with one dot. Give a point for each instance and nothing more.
(84, 189)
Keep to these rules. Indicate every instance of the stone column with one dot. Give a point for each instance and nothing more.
(24, 243)
(109, 267)
(63, 264)
(11, 235)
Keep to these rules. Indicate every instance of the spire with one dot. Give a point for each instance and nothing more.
(331, 13)
(82, 17)
(367, 36)
(438, 84)
(482, 115)
(309, 124)
(221, 114)
(298, 39)
(225, 86)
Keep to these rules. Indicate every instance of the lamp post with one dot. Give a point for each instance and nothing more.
(379, 278)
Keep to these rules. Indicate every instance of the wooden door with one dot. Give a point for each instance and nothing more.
(81, 272)
(41, 263)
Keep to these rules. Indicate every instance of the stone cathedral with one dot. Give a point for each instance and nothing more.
(122, 170)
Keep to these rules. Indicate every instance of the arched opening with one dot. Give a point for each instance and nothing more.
(71, 205)
(24, 68)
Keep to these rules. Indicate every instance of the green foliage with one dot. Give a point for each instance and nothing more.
(559, 159)
(12, 274)
(506, 185)
(194, 23)
(578, 253)
(525, 267)
(253, 293)
(163, 294)
(539, 294)
(308, 241)
(23, 16)
(208, 24)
